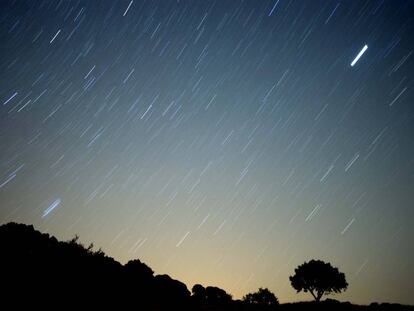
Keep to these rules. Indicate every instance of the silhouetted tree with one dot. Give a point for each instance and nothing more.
(211, 296)
(170, 292)
(138, 278)
(198, 294)
(318, 278)
(262, 297)
(216, 296)
(138, 270)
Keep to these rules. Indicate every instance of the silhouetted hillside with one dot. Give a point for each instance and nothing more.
(38, 270)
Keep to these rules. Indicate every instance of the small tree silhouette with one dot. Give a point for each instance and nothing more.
(217, 296)
(318, 278)
(169, 292)
(262, 297)
(138, 270)
(199, 294)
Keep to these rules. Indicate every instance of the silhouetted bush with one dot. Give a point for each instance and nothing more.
(263, 298)
(199, 294)
(216, 296)
(210, 296)
(169, 292)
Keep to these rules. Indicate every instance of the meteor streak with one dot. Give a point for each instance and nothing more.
(359, 55)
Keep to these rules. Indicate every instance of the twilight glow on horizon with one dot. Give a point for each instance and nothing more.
(220, 142)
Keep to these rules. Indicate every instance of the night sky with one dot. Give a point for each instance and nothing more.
(221, 142)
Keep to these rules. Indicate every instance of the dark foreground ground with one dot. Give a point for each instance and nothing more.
(38, 272)
(324, 306)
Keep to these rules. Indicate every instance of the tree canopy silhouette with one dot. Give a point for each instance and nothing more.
(138, 269)
(319, 278)
(216, 296)
(263, 297)
(211, 295)
(199, 294)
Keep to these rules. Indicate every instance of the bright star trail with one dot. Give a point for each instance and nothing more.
(359, 55)
(51, 208)
(220, 142)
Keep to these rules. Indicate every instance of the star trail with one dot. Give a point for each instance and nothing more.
(221, 142)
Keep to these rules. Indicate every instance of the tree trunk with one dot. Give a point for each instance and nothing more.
(316, 298)
(320, 294)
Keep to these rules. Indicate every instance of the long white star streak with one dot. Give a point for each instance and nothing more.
(54, 37)
(126, 11)
(274, 7)
(10, 98)
(51, 208)
(359, 55)
(182, 239)
(347, 226)
(7, 180)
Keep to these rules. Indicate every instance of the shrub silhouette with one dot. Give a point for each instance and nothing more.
(199, 294)
(139, 270)
(263, 297)
(318, 278)
(210, 296)
(170, 292)
(217, 296)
